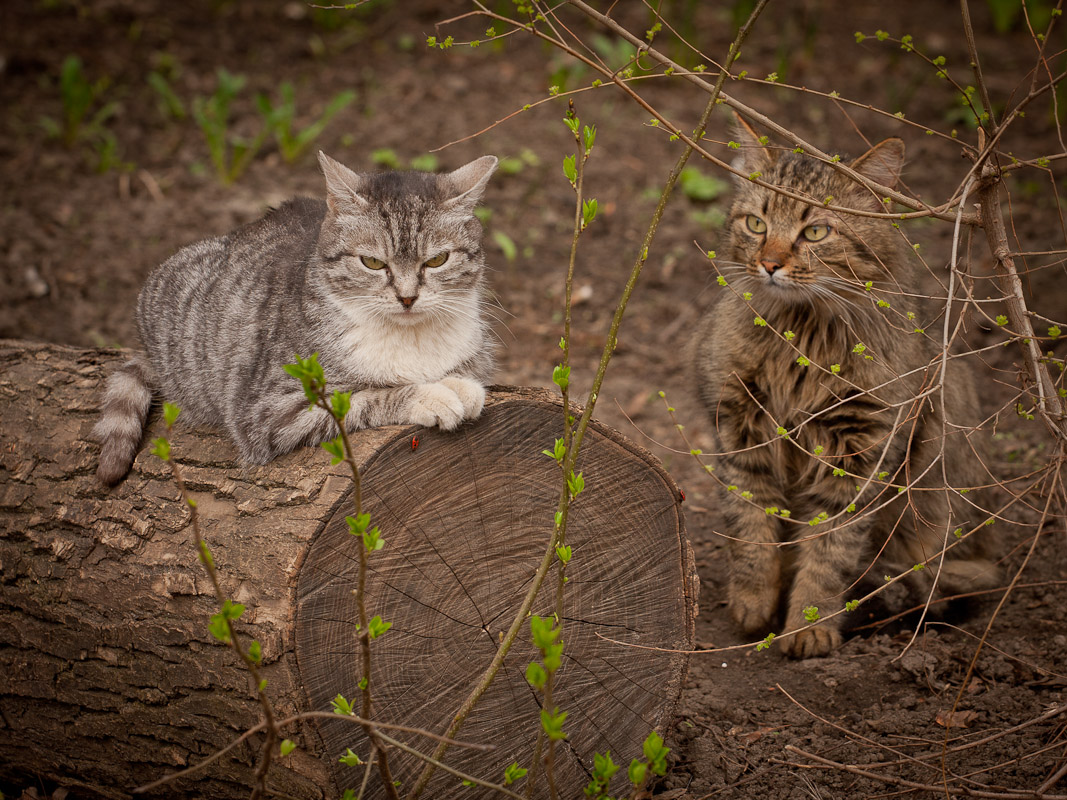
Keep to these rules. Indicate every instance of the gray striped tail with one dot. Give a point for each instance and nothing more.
(122, 419)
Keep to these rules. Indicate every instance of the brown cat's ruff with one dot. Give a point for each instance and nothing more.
(807, 269)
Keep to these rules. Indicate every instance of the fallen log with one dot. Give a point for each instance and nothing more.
(110, 678)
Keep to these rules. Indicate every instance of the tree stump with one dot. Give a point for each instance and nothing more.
(109, 678)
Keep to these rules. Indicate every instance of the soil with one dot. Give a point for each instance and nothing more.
(897, 703)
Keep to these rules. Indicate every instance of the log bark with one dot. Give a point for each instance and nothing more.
(110, 679)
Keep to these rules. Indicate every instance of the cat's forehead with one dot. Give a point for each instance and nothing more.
(394, 188)
(801, 174)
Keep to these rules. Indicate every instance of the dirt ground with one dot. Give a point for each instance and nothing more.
(77, 242)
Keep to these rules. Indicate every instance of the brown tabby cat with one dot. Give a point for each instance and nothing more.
(829, 383)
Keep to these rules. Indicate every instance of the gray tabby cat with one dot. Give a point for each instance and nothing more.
(384, 280)
(814, 276)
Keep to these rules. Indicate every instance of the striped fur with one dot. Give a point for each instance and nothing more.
(753, 387)
(123, 412)
(221, 317)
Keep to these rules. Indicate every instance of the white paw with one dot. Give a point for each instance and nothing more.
(471, 394)
(435, 404)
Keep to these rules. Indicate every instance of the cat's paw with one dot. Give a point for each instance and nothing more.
(752, 607)
(813, 642)
(471, 394)
(436, 405)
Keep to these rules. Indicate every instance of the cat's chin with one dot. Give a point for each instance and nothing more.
(410, 317)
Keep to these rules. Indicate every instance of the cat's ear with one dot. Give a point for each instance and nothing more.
(464, 187)
(753, 155)
(342, 184)
(882, 163)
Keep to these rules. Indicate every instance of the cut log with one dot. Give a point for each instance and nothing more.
(110, 679)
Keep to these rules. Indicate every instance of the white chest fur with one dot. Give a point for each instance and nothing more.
(380, 352)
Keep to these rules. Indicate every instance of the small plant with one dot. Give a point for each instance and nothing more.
(170, 105)
(78, 96)
(280, 118)
(230, 154)
(700, 187)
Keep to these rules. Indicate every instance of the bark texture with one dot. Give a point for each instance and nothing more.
(109, 677)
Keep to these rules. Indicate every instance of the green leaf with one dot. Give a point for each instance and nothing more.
(506, 245)
(357, 525)
(513, 772)
(588, 137)
(575, 483)
(350, 759)
(553, 657)
(170, 413)
(377, 627)
(558, 451)
(287, 746)
(544, 632)
(811, 614)
(552, 723)
(766, 642)
(604, 767)
(232, 610)
(309, 372)
(161, 448)
(561, 376)
(700, 187)
(385, 157)
(1054, 331)
(336, 448)
(564, 553)
(589, 209)
(205, 555)
(636, 773)
(535, 675)
(425, 163)
(219, 628)
(373, 541)
(255, 651)
(569, 170)
(340, 403)
(342, 706)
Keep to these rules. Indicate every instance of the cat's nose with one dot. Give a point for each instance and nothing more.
(408, 301)
(771, 266)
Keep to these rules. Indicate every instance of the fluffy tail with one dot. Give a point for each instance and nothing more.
(122, 419)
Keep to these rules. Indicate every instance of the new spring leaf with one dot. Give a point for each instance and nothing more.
(569, 170)
(552, 723)
(589, 208)
(170, 413)
(575, 484)
(561, 376)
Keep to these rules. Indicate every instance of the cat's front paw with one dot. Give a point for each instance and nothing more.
(436, 405)
(814, 642)
(752, 606)
(471, 394)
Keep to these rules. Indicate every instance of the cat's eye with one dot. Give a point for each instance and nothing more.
(755, 224)
(370, 262)
(815, 233)
(436, 261)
